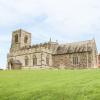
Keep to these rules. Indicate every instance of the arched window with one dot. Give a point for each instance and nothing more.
(16, 38)
(34, 60)
(25, 39)
(26, 61)
(75, 60)
(47, 60)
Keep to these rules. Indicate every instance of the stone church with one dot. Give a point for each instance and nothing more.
(23, 55)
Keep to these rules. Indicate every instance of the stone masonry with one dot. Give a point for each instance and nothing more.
(23, 55)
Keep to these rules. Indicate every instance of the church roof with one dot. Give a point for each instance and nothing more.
(84, 46)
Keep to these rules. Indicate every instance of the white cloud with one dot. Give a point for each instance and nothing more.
(66, 17)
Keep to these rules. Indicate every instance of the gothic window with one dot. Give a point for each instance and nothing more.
(16, 38)
(26, 61)
(75, 60)
(25, 39)
(47, 60)
(34, 60)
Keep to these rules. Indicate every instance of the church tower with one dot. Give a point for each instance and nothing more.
(20, 39)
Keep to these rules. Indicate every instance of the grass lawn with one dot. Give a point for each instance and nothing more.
(50, 85)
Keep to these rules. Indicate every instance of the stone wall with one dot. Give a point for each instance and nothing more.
(40, 53)
(85, 60)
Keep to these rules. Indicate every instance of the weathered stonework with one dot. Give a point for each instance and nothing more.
(51, 54)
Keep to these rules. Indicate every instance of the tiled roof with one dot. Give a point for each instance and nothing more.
(75, 47)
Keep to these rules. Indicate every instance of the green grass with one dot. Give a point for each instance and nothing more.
(50, 85)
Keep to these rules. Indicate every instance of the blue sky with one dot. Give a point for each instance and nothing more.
(62, 20)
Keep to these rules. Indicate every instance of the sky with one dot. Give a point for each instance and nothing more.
(62, 20)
